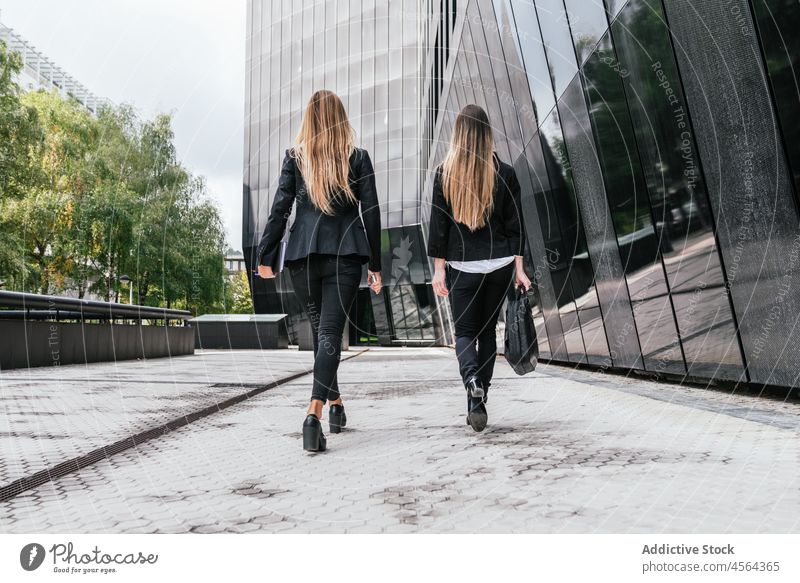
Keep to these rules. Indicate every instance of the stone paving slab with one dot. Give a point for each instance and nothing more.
(565, 451)
(50, 415)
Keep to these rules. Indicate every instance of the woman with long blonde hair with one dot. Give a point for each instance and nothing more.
(476, 240)
(336, 230)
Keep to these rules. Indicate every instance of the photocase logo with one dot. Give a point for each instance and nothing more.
(31, 556)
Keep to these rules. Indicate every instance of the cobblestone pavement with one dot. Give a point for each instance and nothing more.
(53, 414)
(565, 451)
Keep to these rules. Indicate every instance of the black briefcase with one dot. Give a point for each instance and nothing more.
(521, 346)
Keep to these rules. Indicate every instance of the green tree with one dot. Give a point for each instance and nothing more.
(44, 220)
(20, 132)
(106, 195)
(178, 236)
(238, 299)
(21, 137)
(112, 212)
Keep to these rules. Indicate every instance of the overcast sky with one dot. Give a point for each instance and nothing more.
(179, 56)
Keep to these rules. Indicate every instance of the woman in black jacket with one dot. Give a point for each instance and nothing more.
(327, 179)
(476, 240)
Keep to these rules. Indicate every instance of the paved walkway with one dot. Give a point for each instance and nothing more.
(50, 415)
(565, 451)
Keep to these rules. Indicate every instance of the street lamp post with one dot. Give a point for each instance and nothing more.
(129, 281)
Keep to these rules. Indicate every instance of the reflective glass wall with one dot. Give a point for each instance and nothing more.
(655, 145)
(369, 52)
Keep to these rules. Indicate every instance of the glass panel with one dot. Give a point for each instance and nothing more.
(571, 255)
(486, 86)
(354, 73)
(319, 47)
(556, 256)
(261, 112)
(779, 22)
(612, 290)
(342, 50)
(518, 80)
(252, 127)
(395, 112)
(248, 226)
(631, 214)
(329, 58)
(541, 333)
(405, 274)
(412, 312)
(412, 165)
(748, 179)
(284, 135)
(381, 154)
(614, 6)
(464, 81)
(294, 78)
(587, 20)
(558, 42)
(273, 144)
(471, 69)
(677, 192)
(368, 77)
(508, 114)
(533, 56)
(533, 181)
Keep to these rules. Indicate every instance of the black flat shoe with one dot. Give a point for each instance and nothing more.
(313, 438)
(337, 418)
(477, 416)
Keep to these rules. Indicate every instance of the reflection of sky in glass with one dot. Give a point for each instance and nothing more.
(533, 56)
(558, 41)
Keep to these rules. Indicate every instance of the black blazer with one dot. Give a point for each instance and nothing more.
(315, 232)
(501, 236)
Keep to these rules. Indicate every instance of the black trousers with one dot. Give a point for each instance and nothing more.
(475, 300)
(326, 286)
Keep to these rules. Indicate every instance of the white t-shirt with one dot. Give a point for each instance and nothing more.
(481, 265)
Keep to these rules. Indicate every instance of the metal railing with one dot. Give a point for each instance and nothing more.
(21, 305)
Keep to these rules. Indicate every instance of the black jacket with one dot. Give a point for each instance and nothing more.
(501, 236)
(315, 232)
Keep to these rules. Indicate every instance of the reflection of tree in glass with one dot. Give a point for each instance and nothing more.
(778, 22)
(668, 155)
(584, 44)
(630, 209)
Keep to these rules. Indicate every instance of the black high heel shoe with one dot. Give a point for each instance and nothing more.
(313, 438)
(337, 418)
(477, 416)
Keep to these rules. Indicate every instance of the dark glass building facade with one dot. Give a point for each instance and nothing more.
(655, 144)
(369, 53)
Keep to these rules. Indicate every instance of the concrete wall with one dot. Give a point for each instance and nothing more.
(230, 335)
(28, 344)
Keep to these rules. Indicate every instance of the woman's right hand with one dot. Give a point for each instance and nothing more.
(521, 278)
(374, 281)
(265, 271)
(439, 284)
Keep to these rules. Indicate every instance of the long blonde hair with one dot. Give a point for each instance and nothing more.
(324, 145)
(468, 169)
